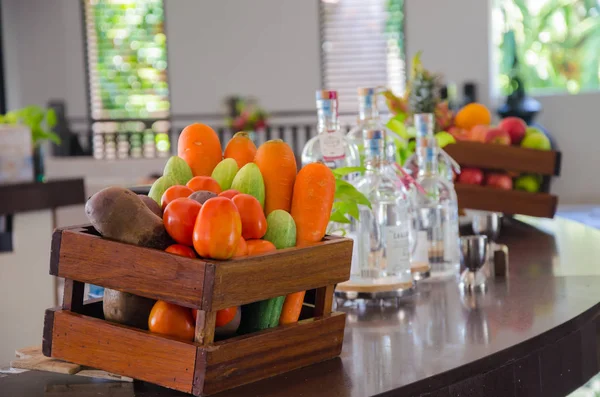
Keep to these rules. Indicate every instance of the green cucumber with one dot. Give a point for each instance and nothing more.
(281, 229)
(179, 170)
(249, 180)
(160, 186)
(224, 173)
(261, 315)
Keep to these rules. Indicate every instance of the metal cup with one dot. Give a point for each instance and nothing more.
(473, 250)
(487, 224)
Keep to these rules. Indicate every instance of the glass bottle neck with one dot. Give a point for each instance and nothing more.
(368, 109)
(427, 160)
(327, 113)
(374, 149)
(424, 125)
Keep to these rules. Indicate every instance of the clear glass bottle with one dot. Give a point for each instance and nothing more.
(330, 146)
(383, 233)
(368, 118)
(436, 215)
(424, 125)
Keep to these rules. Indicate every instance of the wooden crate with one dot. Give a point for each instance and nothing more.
(77, 332)
(503, 158)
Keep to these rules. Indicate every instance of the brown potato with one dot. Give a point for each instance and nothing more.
(119, 214)
(202, 195)
(125, 308)
(154, 207)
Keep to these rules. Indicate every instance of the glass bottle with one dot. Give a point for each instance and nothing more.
(436, 215)
(330, 146)
(368, 118)
(424, 125)
(382, 232)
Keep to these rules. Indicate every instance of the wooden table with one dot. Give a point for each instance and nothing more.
(535, 335)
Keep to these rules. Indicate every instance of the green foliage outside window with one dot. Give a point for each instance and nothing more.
(127, 58)
(556, 42)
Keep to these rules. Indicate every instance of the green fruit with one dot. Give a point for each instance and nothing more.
(179, 170)
(224, 173)
(160, 186)
(281, 229)
(249, 180)
(528, 183)
(532, 130)
(536, 141)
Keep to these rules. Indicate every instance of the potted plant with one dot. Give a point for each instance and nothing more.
(40, 122)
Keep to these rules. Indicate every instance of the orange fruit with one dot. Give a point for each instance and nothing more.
(471, 115)
(200, 147)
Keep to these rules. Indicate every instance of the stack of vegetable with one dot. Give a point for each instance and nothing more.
(219, 205)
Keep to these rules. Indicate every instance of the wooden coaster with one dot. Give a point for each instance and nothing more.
(349, 286)
(420, 268)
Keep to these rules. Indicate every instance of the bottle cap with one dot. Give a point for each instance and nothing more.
(326, 94)
(373, 134)
(366, 91)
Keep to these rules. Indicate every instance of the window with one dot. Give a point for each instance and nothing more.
(362, 46)
(556, 44)
(127, 77)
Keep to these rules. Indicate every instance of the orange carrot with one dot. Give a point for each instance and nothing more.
(291, 308)
(241, 149)
(277, 164)
(312, 202)
(200, 147)
(311, 208)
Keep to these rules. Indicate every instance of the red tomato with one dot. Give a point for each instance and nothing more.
(179, 219)
(194, 314)
(174, 192)
(218, 229)
(224, 316)
(204, 183)
(181, 250)
(254, 223)
(257, 247)
(242, 248)
(173, 320)
(229, 193)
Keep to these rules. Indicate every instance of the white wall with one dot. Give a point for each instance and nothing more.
(269, 48)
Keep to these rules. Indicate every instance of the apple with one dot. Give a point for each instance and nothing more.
(500, 181)
(471, 176)
(458, 133)
(515, 127)
(536, 140)
(497, 136)
(478, 133)
(528, 183)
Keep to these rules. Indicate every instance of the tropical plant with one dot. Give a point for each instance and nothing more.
(39, 120)
(555, 41)
(248, 116)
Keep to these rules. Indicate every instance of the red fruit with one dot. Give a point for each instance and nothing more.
(174, 192)
(497, 136)
(515, 127)
(500, 181)
(230, 193)
(471, 176)
(179, 219)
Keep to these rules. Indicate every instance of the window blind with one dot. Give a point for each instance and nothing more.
(361, 46)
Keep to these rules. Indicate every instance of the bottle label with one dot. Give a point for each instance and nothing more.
(397, 249)
(332, 145)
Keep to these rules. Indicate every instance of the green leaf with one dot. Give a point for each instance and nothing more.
(50, 118)
(338, 216)
(343, 171)
(398, 128)
(347, 207)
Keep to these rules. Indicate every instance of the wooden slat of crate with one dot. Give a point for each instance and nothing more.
(123, 350)
(247, 280)
(506, 201)
(242, 360)
(501, 157)
(142, 271)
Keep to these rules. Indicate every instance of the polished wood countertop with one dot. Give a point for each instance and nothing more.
(534, 334)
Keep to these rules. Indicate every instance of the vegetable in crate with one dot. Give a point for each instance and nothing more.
(174, 192)
(172, 320)
(153, 205)
(125, 308)
(179, 219)
(181, 250)
(229, 193)
(202, 196)
(242, 248)
(178, 169)
(198, 183)
(119, 214)
(218, 229)
(281, 229)
(254, 224)
(249, 180)
(200, 147)
(160, 186)
(278, 167)
(241, 149)
(224, 173)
